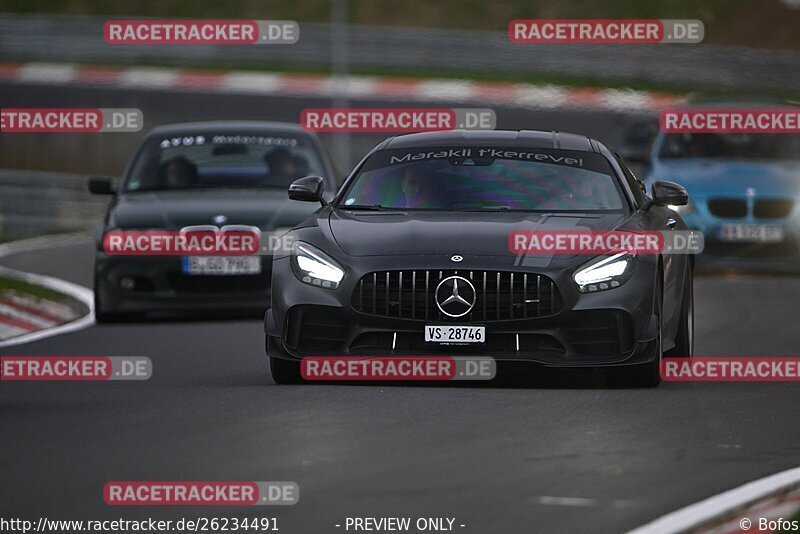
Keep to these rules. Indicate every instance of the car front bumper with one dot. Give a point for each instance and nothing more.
(160, 285)
(613, 327)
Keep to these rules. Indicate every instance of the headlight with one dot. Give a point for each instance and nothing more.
(604, 273)
(314, 267)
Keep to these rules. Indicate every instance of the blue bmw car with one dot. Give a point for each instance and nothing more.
(744, 192)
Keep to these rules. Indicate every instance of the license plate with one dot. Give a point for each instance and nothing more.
(455, 334)
(221, 265)
(751, 233)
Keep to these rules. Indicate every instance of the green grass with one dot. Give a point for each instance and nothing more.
(11, 284)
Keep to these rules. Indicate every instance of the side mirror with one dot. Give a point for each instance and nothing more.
(308, 189)
(101, 185)
(669, 193)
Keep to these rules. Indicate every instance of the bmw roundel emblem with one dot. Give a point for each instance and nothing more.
(456, 258)
(220, 219)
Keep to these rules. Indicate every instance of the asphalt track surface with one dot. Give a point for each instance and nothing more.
(492, 457)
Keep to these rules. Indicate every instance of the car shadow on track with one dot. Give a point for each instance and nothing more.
(510, 375)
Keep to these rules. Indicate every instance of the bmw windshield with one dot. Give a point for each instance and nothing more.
(209, 160)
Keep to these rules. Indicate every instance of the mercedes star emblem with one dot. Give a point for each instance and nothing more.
(455, 296)
(220, 219)
(456, 258)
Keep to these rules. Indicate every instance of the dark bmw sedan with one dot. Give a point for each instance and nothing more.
(412, 258)
(203, 175)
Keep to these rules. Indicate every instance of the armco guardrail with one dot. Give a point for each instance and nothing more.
(80, 39)
(36, 203)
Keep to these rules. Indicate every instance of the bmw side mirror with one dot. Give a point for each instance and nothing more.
(101, 185)
(669, 193)
(308, 189)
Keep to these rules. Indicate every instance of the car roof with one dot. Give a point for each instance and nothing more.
(504, 138)
(229, 127)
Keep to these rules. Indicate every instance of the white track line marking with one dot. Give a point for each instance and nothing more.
(566, 501)
(78, 292)
(714, 507)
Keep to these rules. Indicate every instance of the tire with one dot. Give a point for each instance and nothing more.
(283, 371)
(643, 375)
(684, 339)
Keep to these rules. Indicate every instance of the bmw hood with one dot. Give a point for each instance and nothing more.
(389, 233)
(172, 210)
(732, 178)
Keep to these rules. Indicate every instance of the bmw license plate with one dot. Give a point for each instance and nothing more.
(454, 334)
(751, 233)
(221, 265)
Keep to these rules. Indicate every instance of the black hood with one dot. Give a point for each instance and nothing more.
(266, 208)
(481, 234)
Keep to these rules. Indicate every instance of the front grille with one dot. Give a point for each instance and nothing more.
(499, 295)
(728, 208)
(754, 251)
(772, 208)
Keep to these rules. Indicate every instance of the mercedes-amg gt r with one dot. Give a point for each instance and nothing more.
(415, 244)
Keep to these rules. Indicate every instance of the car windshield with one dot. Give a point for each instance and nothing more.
(484, 179)
(212, 160)
(731, 146)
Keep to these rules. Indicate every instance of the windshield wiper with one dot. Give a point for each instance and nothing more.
(486, 208)
(365, 207)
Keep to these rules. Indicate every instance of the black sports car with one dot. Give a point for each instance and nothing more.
(417, 239)
(206, 174)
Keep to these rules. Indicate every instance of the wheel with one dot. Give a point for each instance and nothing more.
(283, 371)
(684, 339)
(648, 374)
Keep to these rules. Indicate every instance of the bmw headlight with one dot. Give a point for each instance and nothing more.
(314, 267)
(603, 273)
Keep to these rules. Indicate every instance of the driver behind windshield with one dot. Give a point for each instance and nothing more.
(178, 173)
